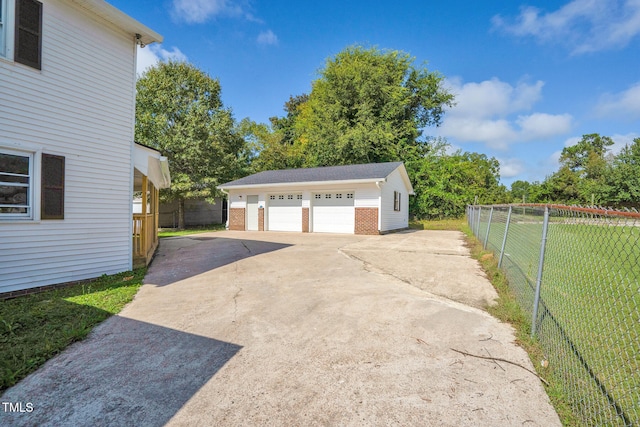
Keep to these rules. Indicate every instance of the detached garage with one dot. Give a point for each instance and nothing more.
(362, 199)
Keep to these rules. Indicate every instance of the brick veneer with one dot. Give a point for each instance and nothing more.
(260, 219)
(305, 220)
(366, 221)
(236, 219)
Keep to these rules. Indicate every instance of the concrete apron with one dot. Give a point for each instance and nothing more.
(250, 328)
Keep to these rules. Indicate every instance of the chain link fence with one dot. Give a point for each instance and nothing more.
(576, 272)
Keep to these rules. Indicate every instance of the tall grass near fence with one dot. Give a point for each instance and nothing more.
(587, 318)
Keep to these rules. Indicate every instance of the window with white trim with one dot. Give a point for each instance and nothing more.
(22, 174)
(397, 201)
(16, 184)
(3, 27)
(21, 32)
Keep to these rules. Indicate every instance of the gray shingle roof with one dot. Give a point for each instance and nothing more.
(328, 173)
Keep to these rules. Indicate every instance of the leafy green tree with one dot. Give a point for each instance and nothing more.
(623, 177)
(369, 105)
(445, 183)
(520, 191)
(180, 113)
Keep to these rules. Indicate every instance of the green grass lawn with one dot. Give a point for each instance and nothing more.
(34, 328)
(590, 287)
(170, 232)
(456, 224)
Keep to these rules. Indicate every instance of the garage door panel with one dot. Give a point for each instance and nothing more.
(285, 212)
(333, 213)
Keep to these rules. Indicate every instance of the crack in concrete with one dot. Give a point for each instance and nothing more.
(245, 246)
(370, 268)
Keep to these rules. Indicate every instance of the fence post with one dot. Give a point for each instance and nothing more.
(540, 268)
(504, 240)
(486, 236)
(477, 232)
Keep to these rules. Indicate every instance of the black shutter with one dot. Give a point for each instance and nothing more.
(28, 37)
(52, 194)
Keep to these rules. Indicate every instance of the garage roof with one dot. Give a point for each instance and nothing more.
(369, 172)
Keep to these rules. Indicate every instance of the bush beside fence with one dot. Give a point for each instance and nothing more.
(576, 272)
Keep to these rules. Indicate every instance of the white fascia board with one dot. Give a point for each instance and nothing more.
(405, 178)
(120, 19)
(302, 185)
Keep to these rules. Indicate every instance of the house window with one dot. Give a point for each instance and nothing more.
(21, 31)
(396, 201)
(16, 185)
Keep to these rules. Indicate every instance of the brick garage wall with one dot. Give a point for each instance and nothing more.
(260, 219)
(236, 219)
(366, 221)
(305, 220)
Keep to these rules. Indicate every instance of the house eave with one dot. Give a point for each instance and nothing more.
(120, 19)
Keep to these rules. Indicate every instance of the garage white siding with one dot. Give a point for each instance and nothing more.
(391, 219)
(333, 212)
(284, 212)
(80, 106)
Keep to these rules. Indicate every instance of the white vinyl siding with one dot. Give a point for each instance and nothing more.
(333, 212)
(391, 219)
(284, 212)
(80, 106)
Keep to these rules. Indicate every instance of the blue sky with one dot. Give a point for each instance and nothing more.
(530, 77)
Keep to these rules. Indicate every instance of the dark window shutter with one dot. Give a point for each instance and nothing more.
(52, 195)
(28, 37)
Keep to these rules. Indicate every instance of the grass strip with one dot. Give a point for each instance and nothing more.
(171, 232)
(34, 328)
(508, 310)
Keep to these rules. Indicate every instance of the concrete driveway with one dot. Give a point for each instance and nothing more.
(255, 328)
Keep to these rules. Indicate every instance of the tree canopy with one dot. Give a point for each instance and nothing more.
(369, 105)
(180, 113)
(590, 174)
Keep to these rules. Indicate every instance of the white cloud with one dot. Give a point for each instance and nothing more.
(483, 113)
(542, 125)
(152, 54)
(267, 38)
(511, 167)
(625, 104)
(621, 140)
(199, 11)
(493, 97)
(582, 25)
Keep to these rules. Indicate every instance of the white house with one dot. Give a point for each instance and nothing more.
(362, 199)
(67, 111)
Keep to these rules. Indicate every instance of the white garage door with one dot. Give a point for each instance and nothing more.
(333, 212)
(285, 212)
